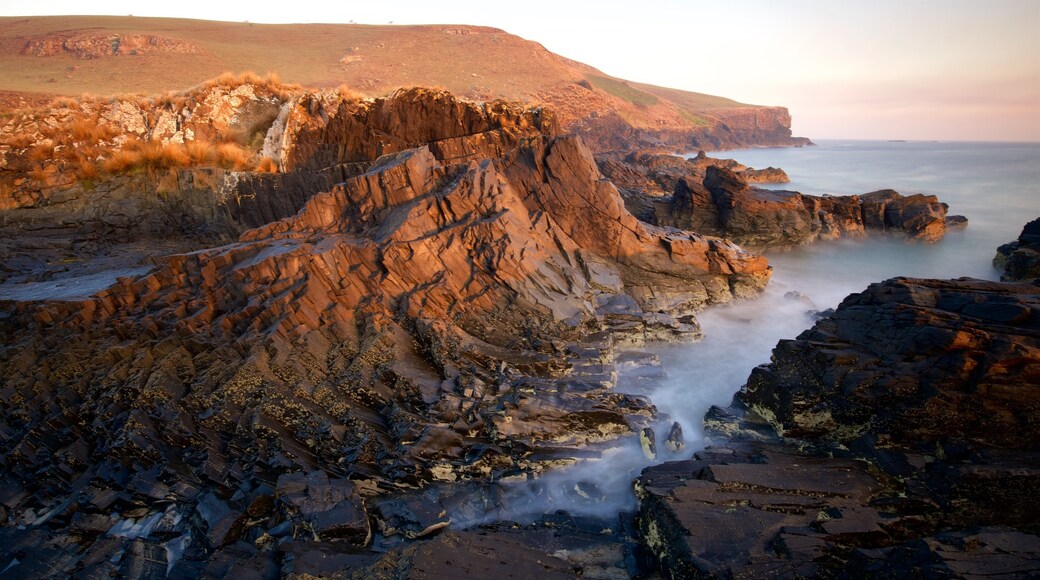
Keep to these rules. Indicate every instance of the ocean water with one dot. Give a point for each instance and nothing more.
(995, 185)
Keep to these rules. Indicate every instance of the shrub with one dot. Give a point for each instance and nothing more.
(41, 176)
(348, 94)
(121, 161)
(86, 169)
(232, 156)
(86, 129)
(200, 152)
(266, 165)
(21, 141)
(41, 152)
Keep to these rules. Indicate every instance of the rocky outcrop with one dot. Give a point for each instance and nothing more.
(446, 312)
(720, 128)
(324, 129)
(1020, 260)
(91, 46)
(724, 203)
(897, 437)
(715, 197)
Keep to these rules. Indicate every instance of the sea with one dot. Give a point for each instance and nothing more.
(995, 185)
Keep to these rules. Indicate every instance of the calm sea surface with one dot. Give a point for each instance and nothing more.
(996, 185)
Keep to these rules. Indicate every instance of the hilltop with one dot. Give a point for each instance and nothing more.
(44, 57)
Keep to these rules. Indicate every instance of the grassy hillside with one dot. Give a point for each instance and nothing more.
(475, 62)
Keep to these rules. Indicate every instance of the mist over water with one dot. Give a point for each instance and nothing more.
(995, 185)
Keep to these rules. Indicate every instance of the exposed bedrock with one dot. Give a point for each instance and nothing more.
(716, 197)
(899, 437)
(723, 128)
(447, 311)
(1020, 260)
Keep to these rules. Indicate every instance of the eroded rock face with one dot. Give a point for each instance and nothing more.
(324, 129)
(91, 46)
(1020, 260)
(898, 437)
(445, 312)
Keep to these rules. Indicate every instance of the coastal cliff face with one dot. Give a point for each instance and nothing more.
(722, 128)
(897, 437)
(445, 311)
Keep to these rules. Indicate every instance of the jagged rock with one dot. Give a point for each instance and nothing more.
(91, 46)
(759, 217)
(1020, 260)
(413, 515)
(904, 445)
(904, 359)
(675, 441)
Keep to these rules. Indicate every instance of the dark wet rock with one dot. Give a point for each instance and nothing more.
(412, 515)
(327, 508)
(907, 360)
(559, 546)
(675, 441)
(1020, 260)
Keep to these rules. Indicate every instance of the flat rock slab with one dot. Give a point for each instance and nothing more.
(735, 516)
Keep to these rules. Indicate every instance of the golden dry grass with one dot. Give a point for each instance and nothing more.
(266, 165)
(232, 156)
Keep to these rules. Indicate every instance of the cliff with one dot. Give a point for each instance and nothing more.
(69, 55)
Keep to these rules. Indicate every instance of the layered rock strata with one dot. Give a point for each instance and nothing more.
(446, 312)
(716, 197)
(898, 437)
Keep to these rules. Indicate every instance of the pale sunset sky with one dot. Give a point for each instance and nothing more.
(867, 69)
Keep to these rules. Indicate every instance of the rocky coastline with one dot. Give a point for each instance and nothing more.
(304, 373)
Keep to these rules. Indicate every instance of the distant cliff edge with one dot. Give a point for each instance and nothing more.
(47, 57)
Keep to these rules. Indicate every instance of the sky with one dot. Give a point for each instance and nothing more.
(867, 69)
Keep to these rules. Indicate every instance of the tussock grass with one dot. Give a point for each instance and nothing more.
(232, 156)
(266, 165)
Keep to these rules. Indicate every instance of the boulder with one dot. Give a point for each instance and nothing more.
(1020, 260)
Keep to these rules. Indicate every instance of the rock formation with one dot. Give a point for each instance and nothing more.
(897, 437)
(716, 197)
(1020, 260)
(446, 311)
(91, 46)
